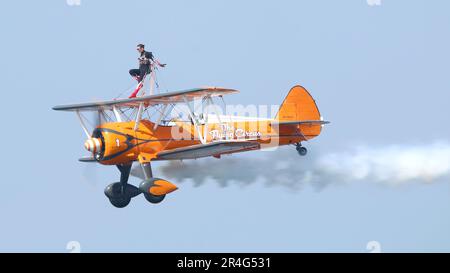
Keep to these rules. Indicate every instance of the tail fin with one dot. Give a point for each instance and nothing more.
(297, 106)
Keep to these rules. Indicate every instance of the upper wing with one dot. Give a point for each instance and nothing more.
(165, 98)
(210, 149)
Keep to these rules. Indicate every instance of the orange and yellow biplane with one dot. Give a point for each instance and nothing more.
(140, 129)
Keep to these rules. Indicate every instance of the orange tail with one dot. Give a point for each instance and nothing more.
(298, 105)
(300, 109)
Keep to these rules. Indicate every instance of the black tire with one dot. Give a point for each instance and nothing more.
(120, 202)
(144, 188)
(302, 151)
(120, 195)
(154, 199)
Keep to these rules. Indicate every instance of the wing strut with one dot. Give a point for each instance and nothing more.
(139, 116)
(206, 115)
(117, 114)
(83, 125)
(163, 112)
(195, 121)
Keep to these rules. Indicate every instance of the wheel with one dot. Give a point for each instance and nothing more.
(302, 150)
(154, 199)
(120, 195)
(145, 186)
(120, 202)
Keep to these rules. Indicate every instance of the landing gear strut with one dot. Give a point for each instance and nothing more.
(149, 181)
(300, 149)
(120, 193)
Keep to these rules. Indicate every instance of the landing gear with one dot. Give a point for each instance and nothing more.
(300, 149)
(117, 195)
(120, 193)
(154, 189)
(154, 199)
(149, 181)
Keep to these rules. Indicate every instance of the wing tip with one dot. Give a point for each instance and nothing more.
(218, 88)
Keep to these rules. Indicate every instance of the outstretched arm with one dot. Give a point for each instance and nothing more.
(156, 61)
(159, 64)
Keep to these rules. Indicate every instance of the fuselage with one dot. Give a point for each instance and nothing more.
(121, 144)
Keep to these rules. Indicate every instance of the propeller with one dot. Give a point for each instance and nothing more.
(90, 169)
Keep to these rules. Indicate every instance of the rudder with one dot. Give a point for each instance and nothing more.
(297, 106)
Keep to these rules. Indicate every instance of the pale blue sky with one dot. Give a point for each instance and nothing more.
(380, 74)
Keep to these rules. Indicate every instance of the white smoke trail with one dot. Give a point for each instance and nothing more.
(391, 165)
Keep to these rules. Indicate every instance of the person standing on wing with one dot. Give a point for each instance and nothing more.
(145, 67)
(145, 60)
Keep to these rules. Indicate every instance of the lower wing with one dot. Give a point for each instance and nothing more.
(211, 149)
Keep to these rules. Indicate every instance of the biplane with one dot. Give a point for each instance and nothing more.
(141, 130)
